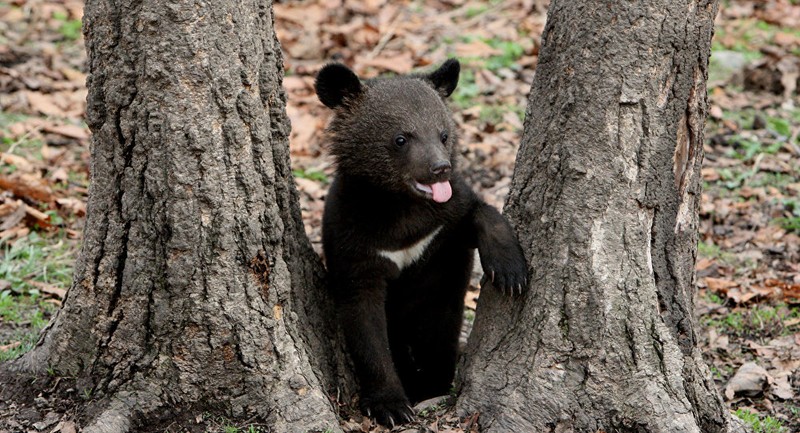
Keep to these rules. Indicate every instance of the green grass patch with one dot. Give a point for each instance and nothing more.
(712, 251)
(790, 223)
(794, 113)
(493, 114)
(723, 372)
(759, 424)
(744, 118)
(429, 410)
(770, 30)
(510, 52)
(8, 119)
(314, 175)
(24, 146)
(760, 319)
(474, 11)
(31, 147)
(470, 316)
(780, 127)
(22, 310)
(23, 317)
(746, 148)
(747, 35)
(777, 180)
(733, 179)
(8, 143)
(732, 322)
(749, 53)
(714, 298)
(467, 90)
(69, 29)
(7, 169)
(79, 178)
(35, 258)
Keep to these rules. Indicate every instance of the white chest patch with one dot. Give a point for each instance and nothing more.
(405, 257)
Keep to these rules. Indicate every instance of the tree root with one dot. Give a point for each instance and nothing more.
(115, 419)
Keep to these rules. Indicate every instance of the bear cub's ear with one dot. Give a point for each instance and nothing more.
(335, 83)
(445, 78)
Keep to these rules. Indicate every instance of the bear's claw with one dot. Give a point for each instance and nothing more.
(388, 412)
(506, 269)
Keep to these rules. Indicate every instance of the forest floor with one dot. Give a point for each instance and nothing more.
(748, 267)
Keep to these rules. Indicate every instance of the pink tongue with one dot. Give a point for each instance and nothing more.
(441, 191)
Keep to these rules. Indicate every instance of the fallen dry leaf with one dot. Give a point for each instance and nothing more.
(37, 217)
(25, 185)
(64, 427)
(12, 345)
(71, 131)
(74, 205)
(717, 341)
(304, 126)
(43, 104)
(703, 264)
(48, 288)
(720, 285)
(400, 64)
(310, 187)
(749, 380)
(715, 111)
(471, 299)
(12, 219)
(8, 207)
(19, 162)
(476, 48)
(51, 153)
(15, 232)
(59, 175)
(293, 83)
(791, 322)
(782, 386)
(73, 74)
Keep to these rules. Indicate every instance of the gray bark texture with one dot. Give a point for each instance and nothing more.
(196, 289)
(605, 200)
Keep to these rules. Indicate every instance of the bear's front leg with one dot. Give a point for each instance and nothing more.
(501, 255)
(362, 314)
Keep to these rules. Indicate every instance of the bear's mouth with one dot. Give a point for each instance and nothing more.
(440, 192)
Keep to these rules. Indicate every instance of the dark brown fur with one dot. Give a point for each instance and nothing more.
(402, 325)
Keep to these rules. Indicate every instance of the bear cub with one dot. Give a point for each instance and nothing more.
(399, 232)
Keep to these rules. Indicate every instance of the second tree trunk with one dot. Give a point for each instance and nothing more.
(604, 199)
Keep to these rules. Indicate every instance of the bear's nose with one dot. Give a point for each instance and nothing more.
(441, 167)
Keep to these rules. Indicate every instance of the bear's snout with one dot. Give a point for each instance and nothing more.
(439, 168)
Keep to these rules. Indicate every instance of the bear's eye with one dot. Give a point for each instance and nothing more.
(400, 141)
(443, 136)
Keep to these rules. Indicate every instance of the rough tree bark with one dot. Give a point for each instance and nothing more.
(605, 201)
(196, 287)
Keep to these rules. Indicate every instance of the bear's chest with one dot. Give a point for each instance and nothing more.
(405, 257)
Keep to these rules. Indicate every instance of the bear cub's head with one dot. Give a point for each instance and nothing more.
(394, 132)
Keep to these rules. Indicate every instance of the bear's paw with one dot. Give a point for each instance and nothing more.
(389, 410)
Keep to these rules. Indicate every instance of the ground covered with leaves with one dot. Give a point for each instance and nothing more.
(748, 268)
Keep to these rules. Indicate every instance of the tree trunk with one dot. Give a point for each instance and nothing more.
(196, 288)
(605, 201)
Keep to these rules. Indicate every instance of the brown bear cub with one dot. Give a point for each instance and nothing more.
(399, 231)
